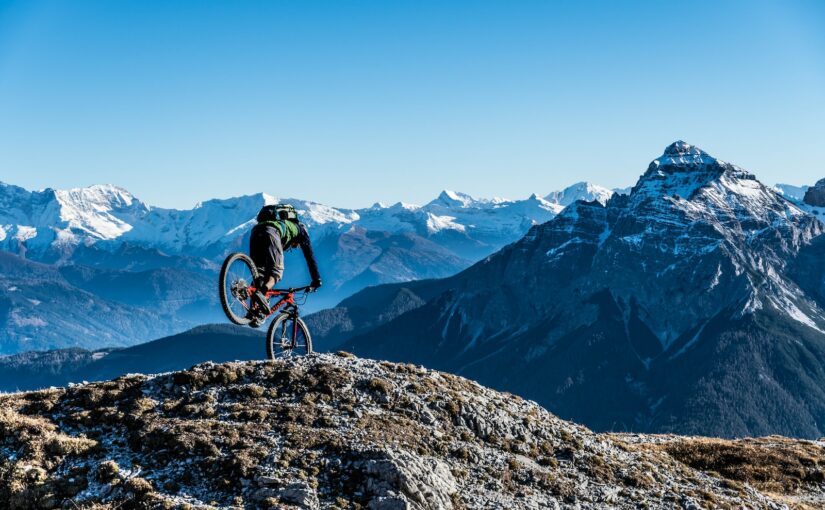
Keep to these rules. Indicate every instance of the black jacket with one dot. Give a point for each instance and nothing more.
(266, 247)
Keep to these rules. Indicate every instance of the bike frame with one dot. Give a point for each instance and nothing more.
(287, 300)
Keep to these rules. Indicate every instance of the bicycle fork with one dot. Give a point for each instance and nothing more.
(293, 315)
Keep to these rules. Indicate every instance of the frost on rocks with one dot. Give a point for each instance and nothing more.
(335, 431)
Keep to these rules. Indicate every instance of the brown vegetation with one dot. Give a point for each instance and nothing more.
(772, 464)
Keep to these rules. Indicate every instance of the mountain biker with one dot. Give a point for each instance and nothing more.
(278, 230)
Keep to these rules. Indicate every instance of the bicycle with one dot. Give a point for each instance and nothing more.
(287, 335)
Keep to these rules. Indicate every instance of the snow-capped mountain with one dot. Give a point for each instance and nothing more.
(693, 304)
(60, 219)
(110, 234)
(108, 216)
(580, 191)
(94, 225)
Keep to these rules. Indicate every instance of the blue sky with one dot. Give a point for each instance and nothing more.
(348, 102)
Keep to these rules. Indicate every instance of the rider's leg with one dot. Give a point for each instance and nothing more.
(268, 284)
(263, 285)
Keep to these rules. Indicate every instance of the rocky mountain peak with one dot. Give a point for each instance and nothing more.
(815, 195)
(450, 198)
(680, 148)
(682, 155)
(336, 431)
(684, 169)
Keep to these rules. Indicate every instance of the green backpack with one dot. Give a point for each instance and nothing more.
(284, 217)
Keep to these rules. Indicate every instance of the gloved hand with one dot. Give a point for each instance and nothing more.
(315, 285)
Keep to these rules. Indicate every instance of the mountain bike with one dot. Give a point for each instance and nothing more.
(287, 335)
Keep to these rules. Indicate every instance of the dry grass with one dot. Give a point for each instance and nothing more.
(42, 443)
(27, 482)
(772, 465)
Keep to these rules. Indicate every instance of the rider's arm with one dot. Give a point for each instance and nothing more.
(309, 256)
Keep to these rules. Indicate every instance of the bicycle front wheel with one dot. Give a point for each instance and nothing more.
(287, 336)
(238, 273)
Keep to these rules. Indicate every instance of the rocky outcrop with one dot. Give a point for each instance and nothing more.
(815, 196)
(335, 431)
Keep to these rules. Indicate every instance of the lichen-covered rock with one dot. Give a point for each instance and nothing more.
(299, 494)
(400, 479)
(336, 431)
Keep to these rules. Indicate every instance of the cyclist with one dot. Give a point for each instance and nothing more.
(277, 231)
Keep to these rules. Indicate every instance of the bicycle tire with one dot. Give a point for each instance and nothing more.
(275, 350)
(225, 288)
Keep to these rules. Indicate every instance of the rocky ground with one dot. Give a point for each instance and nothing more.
(335, 431)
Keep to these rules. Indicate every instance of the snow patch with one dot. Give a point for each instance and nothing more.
(715, 281)
(22, 321)
(439, 223)
(785, 304)
(558, 249)
(24, 233)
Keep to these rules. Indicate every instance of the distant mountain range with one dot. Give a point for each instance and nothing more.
(51, 225)
(96, 267)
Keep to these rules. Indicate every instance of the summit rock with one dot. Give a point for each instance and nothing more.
(335, 431)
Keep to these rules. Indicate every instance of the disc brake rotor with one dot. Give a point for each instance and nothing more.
(239, 290)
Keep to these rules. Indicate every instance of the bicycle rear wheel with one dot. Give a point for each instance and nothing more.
(238, 273)
(287, 336)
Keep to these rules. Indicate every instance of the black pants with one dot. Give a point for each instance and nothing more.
(266, 251)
